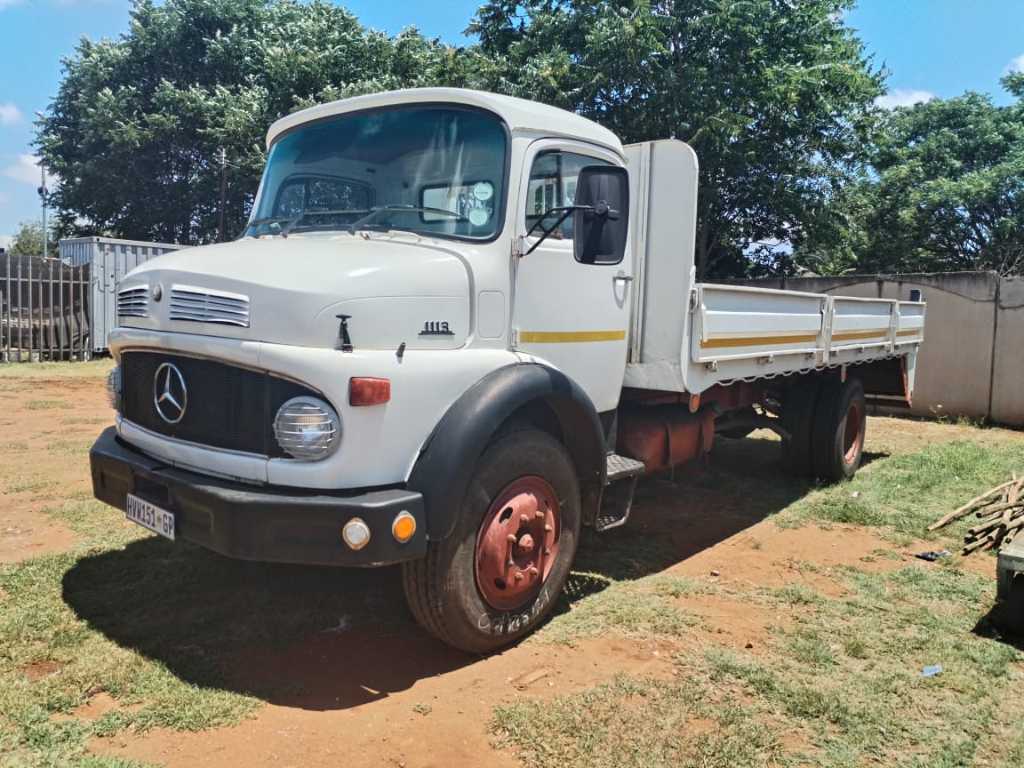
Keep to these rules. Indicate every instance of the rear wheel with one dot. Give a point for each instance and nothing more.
(798, 419)
(498, 575)
(840, 420)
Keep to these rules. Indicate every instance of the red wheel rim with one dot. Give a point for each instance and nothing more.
(517, 543)
(853, 432)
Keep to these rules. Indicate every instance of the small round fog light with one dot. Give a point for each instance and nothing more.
(356, 533)
(404, 527)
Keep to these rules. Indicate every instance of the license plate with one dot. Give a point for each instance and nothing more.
(150, 516)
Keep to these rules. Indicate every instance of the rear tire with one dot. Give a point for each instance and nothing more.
(444, 589)
(837, 440)
(798, 419)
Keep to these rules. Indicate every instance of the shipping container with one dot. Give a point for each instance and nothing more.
(110, 260)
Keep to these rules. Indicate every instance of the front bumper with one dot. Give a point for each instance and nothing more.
(257, 523)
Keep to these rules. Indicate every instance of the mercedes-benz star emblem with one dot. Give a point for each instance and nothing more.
(170, 396)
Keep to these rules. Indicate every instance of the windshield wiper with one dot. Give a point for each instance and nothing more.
(377, 210)
(294, 221)
(267, 220)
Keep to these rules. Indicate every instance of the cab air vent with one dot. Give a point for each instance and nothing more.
(197, 305)
(133, 302)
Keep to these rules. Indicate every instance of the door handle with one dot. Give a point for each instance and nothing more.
(623, 279)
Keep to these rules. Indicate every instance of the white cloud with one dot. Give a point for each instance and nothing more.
(9, 113)
(1016, 65)
(903, 97)
(5, 3)
(26, 170)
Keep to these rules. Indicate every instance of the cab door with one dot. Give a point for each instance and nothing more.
(571, 315)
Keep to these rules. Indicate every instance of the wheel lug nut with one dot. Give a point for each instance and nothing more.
(524, 519)
(519, 576)
(511, 538)
(539, 514)
(532, 570)
(548, 528)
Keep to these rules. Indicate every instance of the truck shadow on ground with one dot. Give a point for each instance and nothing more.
(325, 638)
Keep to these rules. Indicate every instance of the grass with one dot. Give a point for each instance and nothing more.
(30, 484)
(67, 616)
(850, 673)
(46, 405)
(635, 723)
(71, 447)
(93, 369)
(840, 677)
(835, 682)
(905, 493)
(155, 625)
(619, 608)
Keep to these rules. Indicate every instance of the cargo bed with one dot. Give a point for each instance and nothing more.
(688, 336)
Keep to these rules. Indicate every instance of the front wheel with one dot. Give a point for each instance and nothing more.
(497, 576)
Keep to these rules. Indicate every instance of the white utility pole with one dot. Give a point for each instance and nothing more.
(42, 199)
(42, 194)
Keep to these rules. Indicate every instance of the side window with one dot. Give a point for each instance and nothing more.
(553, 184)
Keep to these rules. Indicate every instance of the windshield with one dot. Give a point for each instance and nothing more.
(439, 170)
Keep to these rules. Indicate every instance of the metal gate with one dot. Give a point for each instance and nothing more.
(44, 309)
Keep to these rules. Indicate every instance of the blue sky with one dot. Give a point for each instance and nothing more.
(931, 48)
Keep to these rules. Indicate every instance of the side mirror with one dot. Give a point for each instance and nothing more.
(601, 215)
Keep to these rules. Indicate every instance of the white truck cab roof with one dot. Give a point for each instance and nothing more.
(520, 115)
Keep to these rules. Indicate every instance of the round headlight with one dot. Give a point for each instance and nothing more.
(114, 387)
(307, 428)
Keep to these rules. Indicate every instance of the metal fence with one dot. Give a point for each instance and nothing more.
(44, 309)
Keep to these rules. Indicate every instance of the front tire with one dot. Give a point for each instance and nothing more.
(498, 575)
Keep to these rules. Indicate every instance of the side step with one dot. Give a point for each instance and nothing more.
(618, 500)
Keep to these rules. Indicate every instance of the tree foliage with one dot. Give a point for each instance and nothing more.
(136, 129)
(948, 188)
(774, 96)
(28, 240)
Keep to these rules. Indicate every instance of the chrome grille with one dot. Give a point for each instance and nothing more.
(199, 305)
(133, 302)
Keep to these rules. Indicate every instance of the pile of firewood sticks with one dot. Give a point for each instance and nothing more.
(1000, 514)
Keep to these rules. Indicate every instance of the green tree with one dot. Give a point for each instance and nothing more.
(836, 236)
(775, 97)
(28, 240)
(138, 124)
(947, 191)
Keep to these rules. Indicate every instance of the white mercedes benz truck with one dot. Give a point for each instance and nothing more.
(456, 329)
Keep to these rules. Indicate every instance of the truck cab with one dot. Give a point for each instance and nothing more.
(453, 319)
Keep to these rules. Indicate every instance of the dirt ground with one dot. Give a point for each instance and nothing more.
(365, 694)
(44, 426)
